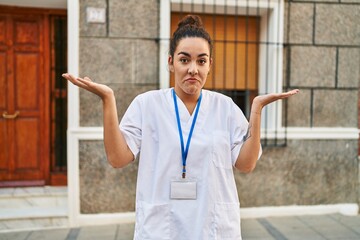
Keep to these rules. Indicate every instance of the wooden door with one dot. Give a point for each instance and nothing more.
(24, 94)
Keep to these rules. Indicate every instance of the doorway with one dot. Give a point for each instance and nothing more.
(32, 55)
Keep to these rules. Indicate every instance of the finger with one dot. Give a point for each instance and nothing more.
(66, 76)
(294, 91)
(88, 79)
(289, 93)
(75, 81)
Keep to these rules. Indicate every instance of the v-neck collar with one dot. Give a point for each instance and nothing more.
(185, 117)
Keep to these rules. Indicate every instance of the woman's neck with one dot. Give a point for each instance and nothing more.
(190, 100)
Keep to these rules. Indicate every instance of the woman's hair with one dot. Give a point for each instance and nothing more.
(189, 26)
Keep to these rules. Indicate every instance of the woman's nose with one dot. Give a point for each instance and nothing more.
(193, 69)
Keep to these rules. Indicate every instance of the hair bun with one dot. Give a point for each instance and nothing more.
(191, 20)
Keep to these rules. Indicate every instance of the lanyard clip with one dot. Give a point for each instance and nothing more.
(184, 172)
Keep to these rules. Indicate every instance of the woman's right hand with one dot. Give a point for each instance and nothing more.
(86, 83)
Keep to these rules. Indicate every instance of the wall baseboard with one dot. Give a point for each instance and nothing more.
(348, 209)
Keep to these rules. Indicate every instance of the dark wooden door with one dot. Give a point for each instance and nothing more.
(24, 94)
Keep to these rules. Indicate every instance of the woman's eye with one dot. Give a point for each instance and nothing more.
(183, 60)
(202, 61)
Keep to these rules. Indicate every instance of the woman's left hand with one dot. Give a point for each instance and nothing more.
(263, 100)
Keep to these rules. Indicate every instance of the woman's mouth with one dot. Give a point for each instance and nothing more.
(192, 80)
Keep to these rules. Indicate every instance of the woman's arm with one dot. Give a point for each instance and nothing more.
(249, 152)
(117, 151)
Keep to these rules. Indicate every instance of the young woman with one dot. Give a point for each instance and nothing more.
(189, 139)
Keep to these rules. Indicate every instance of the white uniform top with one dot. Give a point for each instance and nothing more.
(150, 128)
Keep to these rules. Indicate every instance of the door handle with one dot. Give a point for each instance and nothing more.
(10, 116)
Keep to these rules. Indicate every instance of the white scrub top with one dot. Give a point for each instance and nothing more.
(150, 128)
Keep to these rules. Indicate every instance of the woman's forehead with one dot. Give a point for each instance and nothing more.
(193, 45)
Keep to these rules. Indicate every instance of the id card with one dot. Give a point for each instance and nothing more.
(185, 189)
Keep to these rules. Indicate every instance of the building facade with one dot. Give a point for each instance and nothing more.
(310, 143)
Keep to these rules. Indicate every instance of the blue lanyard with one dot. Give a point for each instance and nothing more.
(184, 152)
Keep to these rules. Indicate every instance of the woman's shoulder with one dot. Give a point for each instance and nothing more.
(152, 95)
(217, 96)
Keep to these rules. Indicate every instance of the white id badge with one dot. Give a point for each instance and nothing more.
(183, 189)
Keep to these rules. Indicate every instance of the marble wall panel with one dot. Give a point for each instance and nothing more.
(111, 60)
(107, 60)
(313, 66)
(146, 62)
(349, 67)
(298, 109)
(134, 19)
(104, 189)
(306, 172)
(337, 24)
(301, 23)
(335, 108)
(91, 105)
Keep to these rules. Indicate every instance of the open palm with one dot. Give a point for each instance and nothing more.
(263, 100)
(86, 83)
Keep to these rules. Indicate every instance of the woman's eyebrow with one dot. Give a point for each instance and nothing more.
(203, 55)
(184, 53)
(188, 55)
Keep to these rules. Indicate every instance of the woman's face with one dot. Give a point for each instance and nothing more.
(190, 65)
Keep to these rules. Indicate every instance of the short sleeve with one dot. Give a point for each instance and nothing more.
(130, 126)
(239, 127)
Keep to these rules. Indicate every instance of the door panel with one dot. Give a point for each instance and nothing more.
(3, 86)
(2, 30)
(3, 147)
(26, 81)
(26, 145)
(26, 32)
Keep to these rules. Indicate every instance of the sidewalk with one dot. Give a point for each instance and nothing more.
(333, 226)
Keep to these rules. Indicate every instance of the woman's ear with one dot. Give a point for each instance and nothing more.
(210, 64)
(171, 64)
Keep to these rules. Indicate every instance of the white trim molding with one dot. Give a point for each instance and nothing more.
(326, 133)
(73, 113)
(347, 209)
(76, 219)
(73, 62)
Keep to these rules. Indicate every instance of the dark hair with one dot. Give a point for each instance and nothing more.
(189, 26)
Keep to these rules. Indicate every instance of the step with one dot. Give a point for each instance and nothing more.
(33, 191)
(33, 208)
(11, 198)
(32, 212)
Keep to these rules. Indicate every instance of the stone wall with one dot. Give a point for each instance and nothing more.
(305, 172)
(123, 54)
(322, 59)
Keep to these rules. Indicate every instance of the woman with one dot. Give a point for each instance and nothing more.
(189, 139)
